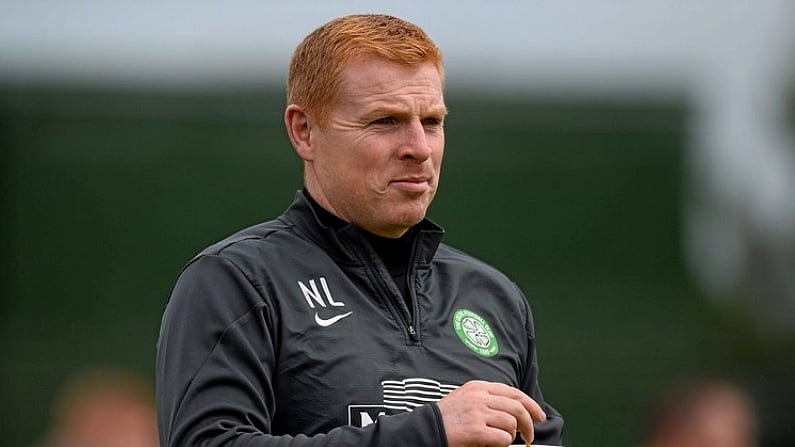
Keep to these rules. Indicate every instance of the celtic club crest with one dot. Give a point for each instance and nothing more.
(475, 332)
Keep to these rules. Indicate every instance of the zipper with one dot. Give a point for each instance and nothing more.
(414, 311)
(413, 333)
(409, 322)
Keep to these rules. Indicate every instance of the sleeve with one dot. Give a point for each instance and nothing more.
(550, 432)
(215, 368)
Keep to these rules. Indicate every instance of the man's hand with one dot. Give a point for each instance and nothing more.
(488, 414)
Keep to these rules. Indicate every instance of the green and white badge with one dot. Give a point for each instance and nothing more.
(475, 332)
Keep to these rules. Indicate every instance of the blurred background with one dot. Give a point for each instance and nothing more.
(630, 165)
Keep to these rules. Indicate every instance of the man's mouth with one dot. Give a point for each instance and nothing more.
(412, 184)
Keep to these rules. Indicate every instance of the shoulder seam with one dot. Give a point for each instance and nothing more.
(262, 303)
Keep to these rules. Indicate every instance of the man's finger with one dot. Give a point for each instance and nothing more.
(535, 410)
(530, 405)
(520, 409)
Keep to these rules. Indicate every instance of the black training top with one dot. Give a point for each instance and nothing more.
(293, 333)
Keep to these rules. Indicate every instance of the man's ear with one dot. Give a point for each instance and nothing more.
(299, 129)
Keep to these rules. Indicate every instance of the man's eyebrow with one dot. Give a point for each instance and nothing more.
(386, 110)
(440, 110)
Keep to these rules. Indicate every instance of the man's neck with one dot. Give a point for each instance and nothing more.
(394, 252)
(326, 217)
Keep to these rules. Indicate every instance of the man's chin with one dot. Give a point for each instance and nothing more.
(408, 221)
(397, 226)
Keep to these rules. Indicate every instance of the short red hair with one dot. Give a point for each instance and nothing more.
(319, 60)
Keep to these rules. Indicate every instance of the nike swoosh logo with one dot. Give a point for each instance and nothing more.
(325, 322)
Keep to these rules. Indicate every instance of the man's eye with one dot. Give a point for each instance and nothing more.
(385, 121)
(432, 122)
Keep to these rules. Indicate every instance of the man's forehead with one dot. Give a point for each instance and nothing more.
(388, 84)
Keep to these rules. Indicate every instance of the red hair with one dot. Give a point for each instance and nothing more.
(319, 60)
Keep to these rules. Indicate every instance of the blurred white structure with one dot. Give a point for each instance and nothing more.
(731, 60)
(741, 212)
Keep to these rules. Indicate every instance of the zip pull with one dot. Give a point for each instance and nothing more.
(413, 333)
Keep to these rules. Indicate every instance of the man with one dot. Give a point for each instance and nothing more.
(103, 407)
(699, 412)
(345, 321)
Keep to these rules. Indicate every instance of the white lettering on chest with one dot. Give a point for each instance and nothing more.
(313, 295)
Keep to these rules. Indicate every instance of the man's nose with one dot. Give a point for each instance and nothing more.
(415, 144)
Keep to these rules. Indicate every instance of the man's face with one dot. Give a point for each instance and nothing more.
(376, 163)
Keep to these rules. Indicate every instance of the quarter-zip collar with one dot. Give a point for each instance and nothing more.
(347, 243)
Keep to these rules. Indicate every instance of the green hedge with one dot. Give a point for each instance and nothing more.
(108, 193)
